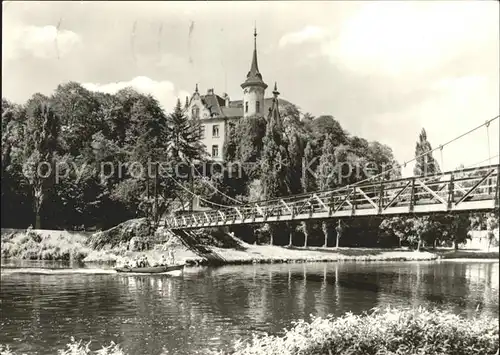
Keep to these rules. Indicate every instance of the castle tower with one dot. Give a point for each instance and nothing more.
(254, 87)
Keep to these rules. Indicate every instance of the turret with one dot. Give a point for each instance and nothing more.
(254, 87)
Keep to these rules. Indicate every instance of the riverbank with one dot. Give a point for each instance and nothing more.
(64, 245)
(389, 331)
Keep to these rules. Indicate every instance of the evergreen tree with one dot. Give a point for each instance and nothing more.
(42, 144)
(308, 184)
(328, 175)
(185, 144)
(275, 161)
(425, 163)
(185, 137)
(230, 144)
(249, 134)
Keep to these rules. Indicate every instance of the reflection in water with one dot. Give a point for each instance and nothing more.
(211, 307)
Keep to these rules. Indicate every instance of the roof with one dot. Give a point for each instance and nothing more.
(213, 102)
(232, 111)
(254, 77)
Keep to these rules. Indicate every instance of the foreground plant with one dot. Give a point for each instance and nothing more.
(388, 332)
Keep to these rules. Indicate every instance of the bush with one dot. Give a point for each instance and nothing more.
(387, 332)
(120, 234)
(53, 246)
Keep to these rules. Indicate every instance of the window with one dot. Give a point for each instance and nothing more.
(195, 112)
(202, 131)
(215, 131)
(246, 106)
(215, 151)
(257, 107)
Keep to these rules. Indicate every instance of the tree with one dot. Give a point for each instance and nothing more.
(396, 226)
(42, 143)
(328, 175)
(78, 110)
(230, 144)
(185, 137)
(491, 225)
(15, 192)
(339, 229)
(249, 134)
(275, 160)
(308, 184)
(185, 144)
(425, 163)
(455, 228)
(323, 126)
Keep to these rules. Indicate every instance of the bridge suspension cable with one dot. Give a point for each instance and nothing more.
(482, 161)
(440, 147)
(217, 190)
(488, 134)
(198, 196)
(487, 123)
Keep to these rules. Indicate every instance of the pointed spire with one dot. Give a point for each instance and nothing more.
(275, 91)
(196, 89)
(255, 37)
(187, 102)
(254, 77)
(274, 112)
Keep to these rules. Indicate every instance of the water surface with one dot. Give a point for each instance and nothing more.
(211, 307)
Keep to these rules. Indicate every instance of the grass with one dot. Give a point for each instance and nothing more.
(278, 254)
(493, 253)
(382, 332)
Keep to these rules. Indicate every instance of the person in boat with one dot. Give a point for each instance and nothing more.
(145, 262)
(163, 261)
(171, 258)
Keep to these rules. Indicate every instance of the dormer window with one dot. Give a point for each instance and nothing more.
(257, 107)
(195, 112)
(246, 107)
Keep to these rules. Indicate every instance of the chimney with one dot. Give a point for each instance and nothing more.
(225, 96)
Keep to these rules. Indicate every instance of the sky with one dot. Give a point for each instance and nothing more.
(384, 70)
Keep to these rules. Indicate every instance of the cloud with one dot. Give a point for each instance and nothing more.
(307, 34)
(457, 106)
(163, 91)
(401, 37)
(43, 42)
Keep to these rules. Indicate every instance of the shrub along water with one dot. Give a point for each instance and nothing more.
(52, 245)
(388, 332)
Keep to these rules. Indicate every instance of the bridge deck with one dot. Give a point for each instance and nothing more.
(465, 190)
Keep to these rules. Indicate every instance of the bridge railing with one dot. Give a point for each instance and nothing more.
(439, 192)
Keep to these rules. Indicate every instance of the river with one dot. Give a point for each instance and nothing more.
(211, 307)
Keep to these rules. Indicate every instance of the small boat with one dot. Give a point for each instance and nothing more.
(151, 269)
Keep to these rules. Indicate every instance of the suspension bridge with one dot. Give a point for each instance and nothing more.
(467, 189)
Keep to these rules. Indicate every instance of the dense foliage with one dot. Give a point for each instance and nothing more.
(81, 158)
(388, 331)
(87, 159)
